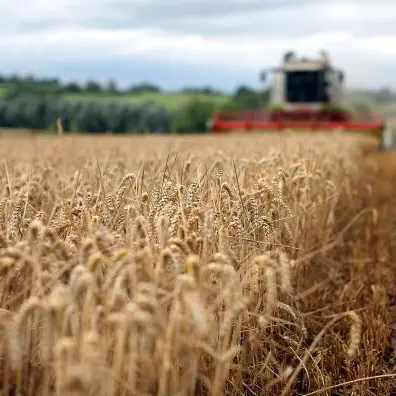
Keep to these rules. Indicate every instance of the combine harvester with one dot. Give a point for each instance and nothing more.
(307, 94)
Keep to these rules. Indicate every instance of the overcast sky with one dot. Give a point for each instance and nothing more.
(194, 42)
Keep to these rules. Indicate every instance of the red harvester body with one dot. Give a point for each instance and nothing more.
(306, 94)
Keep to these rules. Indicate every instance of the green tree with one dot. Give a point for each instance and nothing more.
(246, 98)
(93, 87)
(72, 87)
(144, 88)
(193, 116)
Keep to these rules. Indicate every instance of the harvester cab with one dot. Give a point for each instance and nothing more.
(306, 94)
(305, 85)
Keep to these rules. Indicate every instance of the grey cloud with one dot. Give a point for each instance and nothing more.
(266, 18)
(192, 16)
(262, 18)
(183, 16)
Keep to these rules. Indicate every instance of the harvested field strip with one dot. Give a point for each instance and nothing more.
(197, 265)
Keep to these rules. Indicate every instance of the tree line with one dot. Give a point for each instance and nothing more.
(16, 85)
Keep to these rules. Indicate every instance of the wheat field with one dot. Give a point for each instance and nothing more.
(231, 265)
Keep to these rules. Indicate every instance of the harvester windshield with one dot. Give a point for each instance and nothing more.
(306, 86)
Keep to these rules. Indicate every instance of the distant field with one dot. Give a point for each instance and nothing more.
(169, 100)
